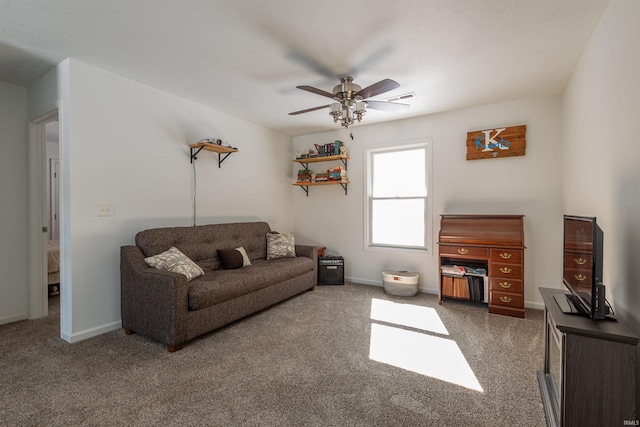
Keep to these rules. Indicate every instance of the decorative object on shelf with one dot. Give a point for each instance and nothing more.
(214, 146)
(352, 103)
(500, 142)
(337, 175)
(305, 176)
(336, 147)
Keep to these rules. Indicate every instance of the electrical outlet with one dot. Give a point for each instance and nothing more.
(106, 209)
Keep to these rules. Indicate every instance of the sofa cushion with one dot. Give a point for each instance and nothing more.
(280, 245)
(174, 260)
(200, 243)
(223, 285)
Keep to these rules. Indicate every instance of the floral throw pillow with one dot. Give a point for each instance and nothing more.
(175, 261)
(280, 245)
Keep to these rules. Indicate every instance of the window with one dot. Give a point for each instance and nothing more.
(397, 196)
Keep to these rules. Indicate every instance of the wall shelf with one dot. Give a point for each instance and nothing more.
(207, 146)
(305, 187)
(305, 163)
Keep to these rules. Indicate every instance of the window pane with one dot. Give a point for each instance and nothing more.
(399, 173)
(398, 222)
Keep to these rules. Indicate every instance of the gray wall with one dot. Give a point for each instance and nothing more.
(601, 120)
(13, 196)
(528, 185)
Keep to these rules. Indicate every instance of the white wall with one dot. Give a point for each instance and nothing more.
(125, 143)
(13, 193)
(601, 110)
(528, 185)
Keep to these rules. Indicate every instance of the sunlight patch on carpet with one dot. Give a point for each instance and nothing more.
(416, 351)
(410, 315)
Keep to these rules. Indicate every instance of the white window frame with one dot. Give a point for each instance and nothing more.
(369, 152)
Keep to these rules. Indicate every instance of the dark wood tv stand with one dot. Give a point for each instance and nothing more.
(493, 242)
(589, 375)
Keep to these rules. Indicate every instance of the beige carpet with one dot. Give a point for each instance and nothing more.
(338, 356)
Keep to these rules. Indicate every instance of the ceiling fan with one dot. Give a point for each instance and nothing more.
(352, 101)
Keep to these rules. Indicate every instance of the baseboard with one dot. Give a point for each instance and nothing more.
(90, 333)
(536, 305)
(13, 318)
(363, 281)
(380, 285)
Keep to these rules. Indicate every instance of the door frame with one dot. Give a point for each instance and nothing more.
(53, 207)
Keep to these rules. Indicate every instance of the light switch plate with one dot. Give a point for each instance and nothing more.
(106, 209)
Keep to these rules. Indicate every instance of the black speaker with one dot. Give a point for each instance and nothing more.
(330, 270)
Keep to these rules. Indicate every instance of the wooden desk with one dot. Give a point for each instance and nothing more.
(492, 242)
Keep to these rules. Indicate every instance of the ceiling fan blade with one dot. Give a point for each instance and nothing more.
(295, 113)
(316, 91)
(393, 107)
(377, 88)
(311, 63)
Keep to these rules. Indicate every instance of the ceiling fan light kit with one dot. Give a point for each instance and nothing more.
(352, 103)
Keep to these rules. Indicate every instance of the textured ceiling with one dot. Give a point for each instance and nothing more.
(245, 57)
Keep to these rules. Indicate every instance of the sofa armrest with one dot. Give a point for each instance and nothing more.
(310, 252)
(153, 302)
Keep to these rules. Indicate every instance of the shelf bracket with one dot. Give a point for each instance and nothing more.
(221, 159)
(305, 188)
(345, 188)
(193, 155)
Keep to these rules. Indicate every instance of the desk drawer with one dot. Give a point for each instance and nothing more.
(500, 284)
(505, 270)
(464, 251)
(506, 299)
(510, 256)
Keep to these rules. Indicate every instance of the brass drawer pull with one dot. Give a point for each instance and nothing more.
(505, 285)
(505, 255)
(505, 270)
(505, 299)
(463, 251)
(579, 261)
(580, 277)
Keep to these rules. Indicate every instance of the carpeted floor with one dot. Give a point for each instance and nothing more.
(338, 356)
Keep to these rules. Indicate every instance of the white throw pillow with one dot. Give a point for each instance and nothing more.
(280, 245)
(175, 261)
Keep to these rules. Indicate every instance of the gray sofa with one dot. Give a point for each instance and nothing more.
(164, 306)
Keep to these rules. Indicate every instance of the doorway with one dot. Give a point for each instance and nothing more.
(52, 174)
(44, 212)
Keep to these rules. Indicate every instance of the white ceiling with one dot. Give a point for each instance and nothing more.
(245, 57)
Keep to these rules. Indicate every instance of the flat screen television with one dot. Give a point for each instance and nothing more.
(582, 268)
